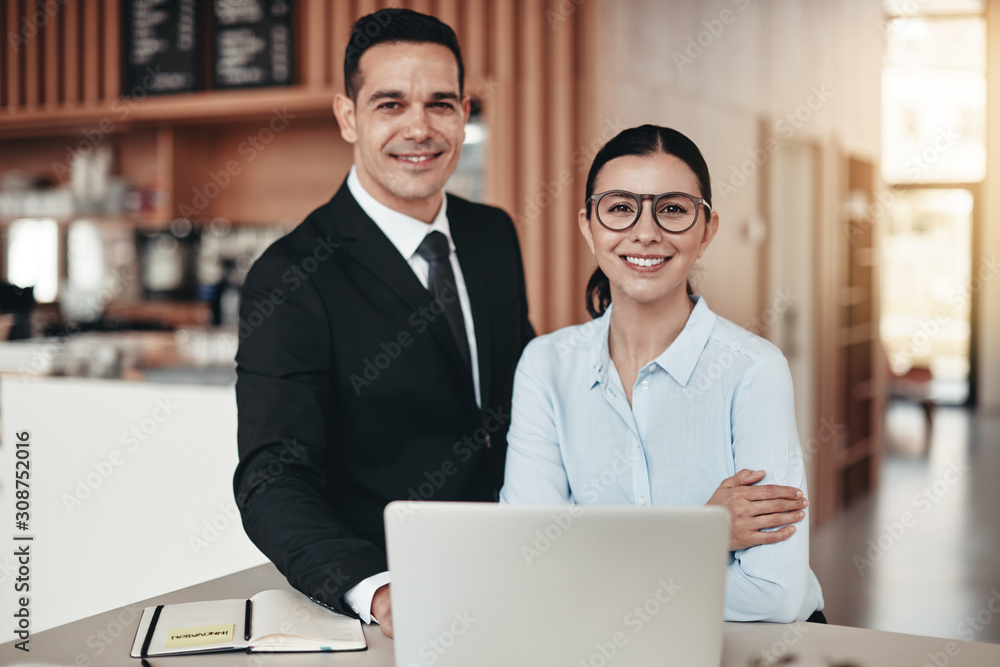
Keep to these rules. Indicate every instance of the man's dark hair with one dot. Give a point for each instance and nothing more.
(390, 25)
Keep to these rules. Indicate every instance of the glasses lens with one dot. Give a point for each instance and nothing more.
(617, 210)
(677, 212)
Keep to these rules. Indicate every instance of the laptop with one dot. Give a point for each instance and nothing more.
(584, 586)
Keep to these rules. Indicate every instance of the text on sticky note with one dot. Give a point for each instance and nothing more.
(200, 636)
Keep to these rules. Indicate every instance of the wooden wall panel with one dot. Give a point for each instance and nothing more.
(111, 54)
(422, 6)
(532, 208)
(44, 156)
(312, 31)
(447, 11)
(91, 53)
(70, 16)
(165, 168)
(590, 50)
(3, 62)
(341, 19)
(13, 56)
(568, 187)
(366, 7)
(136, 158)
(32, 59)
(51, 63)
(502, 151)
(472, 31)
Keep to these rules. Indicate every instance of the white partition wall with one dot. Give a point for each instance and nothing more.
(130, 494)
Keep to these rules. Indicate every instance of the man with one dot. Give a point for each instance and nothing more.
(379, 338)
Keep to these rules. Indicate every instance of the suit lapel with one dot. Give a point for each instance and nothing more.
(366, 243)
(470, 251)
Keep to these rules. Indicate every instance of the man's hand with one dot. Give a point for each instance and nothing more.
(382, 610)
(753, 508)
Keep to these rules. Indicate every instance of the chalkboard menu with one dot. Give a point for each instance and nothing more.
(253, 43)
(161, 47)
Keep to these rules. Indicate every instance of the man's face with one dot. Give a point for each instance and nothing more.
(407, 123)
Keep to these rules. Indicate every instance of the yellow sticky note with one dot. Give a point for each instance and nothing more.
(200, 636)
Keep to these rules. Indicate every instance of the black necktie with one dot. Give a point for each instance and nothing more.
(441, 283)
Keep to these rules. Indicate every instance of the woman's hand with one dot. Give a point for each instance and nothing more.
(753, 508)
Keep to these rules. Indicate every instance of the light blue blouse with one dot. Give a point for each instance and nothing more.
(718, 400)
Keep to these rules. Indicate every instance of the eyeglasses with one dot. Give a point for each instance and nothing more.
(674, 212)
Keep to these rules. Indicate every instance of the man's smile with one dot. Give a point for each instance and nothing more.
(416, 159)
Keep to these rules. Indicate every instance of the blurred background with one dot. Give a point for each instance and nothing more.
(151, 150)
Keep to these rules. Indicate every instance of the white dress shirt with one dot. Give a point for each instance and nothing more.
(406, 233)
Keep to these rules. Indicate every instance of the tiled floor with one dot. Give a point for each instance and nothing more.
(922, 556)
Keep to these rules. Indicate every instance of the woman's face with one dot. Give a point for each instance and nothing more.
(672, 255)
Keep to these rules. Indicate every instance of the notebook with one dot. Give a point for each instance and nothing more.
(486, 584)
(271, 621)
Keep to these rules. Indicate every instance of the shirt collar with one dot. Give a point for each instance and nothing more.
(679, 359)
(682, 356)
(405, 232)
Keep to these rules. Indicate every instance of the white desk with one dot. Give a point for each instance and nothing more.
(105, 457)
(104, 640)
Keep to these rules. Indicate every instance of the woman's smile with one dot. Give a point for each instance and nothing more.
(644, 263)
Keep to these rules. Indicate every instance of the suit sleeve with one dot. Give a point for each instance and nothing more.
(769, 582)
(283, 394)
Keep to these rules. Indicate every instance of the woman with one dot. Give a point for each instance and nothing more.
(658, 401)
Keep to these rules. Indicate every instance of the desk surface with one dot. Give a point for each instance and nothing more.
(105, 639)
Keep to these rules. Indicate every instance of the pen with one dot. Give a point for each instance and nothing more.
(246, 621)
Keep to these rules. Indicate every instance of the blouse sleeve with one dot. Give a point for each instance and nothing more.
(534, 471)
(768, 582)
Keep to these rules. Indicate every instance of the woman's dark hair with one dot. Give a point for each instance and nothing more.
(390, 25)
(642, 141)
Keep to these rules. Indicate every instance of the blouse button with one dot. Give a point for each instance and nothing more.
(645, 384)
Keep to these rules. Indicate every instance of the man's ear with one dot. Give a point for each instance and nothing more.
(343, 109)
(466, 106)
(711, 227)
(584, 223)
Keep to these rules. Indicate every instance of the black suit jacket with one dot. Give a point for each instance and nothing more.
(351, 392)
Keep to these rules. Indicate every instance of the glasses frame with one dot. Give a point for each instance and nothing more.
(655, 199)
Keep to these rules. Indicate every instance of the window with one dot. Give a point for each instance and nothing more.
(934, 100)
(933, 159)
(33, 257)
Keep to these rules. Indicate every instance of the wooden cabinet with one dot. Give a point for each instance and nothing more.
(863, 391)
(852, 400)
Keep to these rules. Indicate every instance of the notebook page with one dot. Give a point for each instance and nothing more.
(277, 612)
